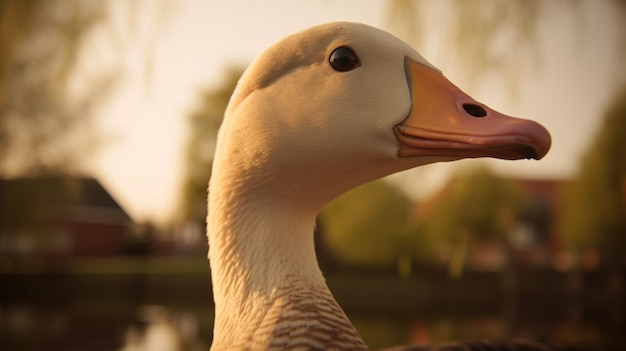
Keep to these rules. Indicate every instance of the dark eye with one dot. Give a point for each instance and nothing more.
(343, 59)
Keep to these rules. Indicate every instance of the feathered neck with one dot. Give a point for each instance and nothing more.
(267, 286)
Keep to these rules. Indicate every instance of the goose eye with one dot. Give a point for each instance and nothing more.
(343, 59)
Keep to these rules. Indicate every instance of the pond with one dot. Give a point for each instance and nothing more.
(173, 311)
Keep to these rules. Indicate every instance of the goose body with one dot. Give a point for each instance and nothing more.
(320, 112)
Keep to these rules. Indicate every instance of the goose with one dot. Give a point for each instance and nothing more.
(317, 114)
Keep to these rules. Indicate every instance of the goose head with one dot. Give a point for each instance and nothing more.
(320, 112)
(341, 104)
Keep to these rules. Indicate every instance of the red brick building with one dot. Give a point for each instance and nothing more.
(534, 240)
(60, 216)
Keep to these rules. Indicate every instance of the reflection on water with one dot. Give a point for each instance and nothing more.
(157, 328)
(134, 312)
(160, 329)
(42, 327)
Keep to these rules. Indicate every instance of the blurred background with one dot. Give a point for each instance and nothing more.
(108, 116)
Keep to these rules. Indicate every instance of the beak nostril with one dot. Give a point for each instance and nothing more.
(474, 110)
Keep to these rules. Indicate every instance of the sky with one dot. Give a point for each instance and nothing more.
(181, 48)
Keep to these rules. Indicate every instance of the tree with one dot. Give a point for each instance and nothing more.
(502, 36)
(595, 203)
(203, 125)
(489, 36)
(46, 107)
(478, 205)
(42, 127)
(369, 225)
(496, 35)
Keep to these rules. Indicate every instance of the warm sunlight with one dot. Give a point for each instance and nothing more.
(109, 113)
(145, 119)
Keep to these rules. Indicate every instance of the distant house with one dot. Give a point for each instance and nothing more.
(60, 216)
(536, 238)
(533, 241)
(542, 213)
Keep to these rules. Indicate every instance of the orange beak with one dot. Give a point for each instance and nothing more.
(444, 121)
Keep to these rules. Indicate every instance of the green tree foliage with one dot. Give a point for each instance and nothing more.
(369, 225)
(204, 123)
(42, 129)
(479, 201)
(595, 203)
(478, 205)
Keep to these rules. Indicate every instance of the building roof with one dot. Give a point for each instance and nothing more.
(66, 196)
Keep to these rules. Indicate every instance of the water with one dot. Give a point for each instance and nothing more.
(133, 312)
